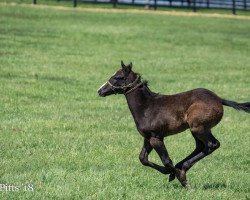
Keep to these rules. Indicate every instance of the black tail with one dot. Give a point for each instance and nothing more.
(238, 106)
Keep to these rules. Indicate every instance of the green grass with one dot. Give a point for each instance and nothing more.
(59, 136)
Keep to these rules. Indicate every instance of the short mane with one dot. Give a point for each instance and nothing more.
(146, 89)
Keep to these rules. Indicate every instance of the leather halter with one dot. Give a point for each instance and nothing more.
(132, 86)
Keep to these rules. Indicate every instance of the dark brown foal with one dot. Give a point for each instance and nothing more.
(158, 116)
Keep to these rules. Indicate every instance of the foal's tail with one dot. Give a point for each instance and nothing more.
(238, 106)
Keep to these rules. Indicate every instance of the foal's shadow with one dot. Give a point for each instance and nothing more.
(216, 185)
(207, 186)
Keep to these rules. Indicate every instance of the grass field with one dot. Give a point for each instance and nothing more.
(60, 139)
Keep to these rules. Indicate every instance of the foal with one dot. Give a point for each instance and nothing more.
(158, 116)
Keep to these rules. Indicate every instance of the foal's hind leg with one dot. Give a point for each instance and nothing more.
(146, 149)
(198, 149)
(210, 144)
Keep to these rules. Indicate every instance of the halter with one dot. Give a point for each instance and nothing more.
(113, 87)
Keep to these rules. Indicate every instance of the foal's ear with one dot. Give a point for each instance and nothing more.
(126, 68)
(122, 64)
(130, 66)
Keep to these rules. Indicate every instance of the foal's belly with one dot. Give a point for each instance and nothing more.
(172, 122)
(162, 127)
(174, 129)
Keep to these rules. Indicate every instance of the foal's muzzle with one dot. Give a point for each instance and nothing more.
(105, 90)
(101, 93)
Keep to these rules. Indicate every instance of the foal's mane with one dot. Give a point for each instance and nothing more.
(146, 89)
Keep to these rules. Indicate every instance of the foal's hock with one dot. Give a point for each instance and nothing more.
(157, 116)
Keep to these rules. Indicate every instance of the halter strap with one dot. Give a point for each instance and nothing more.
(113, 87)
(134, 88)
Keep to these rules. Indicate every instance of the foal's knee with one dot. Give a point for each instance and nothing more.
(143, 159)
(215, 145)
(212, 147)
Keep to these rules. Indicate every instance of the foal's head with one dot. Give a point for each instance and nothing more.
(122, 82)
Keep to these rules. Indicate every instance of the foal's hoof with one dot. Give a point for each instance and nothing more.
(188, 186)
(181, 176)
(171, 177)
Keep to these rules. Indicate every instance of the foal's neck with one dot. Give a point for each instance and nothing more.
(138, 101)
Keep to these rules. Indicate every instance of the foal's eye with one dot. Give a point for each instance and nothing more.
(119, 77)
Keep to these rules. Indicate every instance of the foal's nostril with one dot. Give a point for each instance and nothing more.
(100, 93)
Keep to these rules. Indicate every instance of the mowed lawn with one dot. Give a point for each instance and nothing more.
(59, 139)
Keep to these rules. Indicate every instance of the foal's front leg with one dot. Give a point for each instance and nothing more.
(146, 149)
(161, 150)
